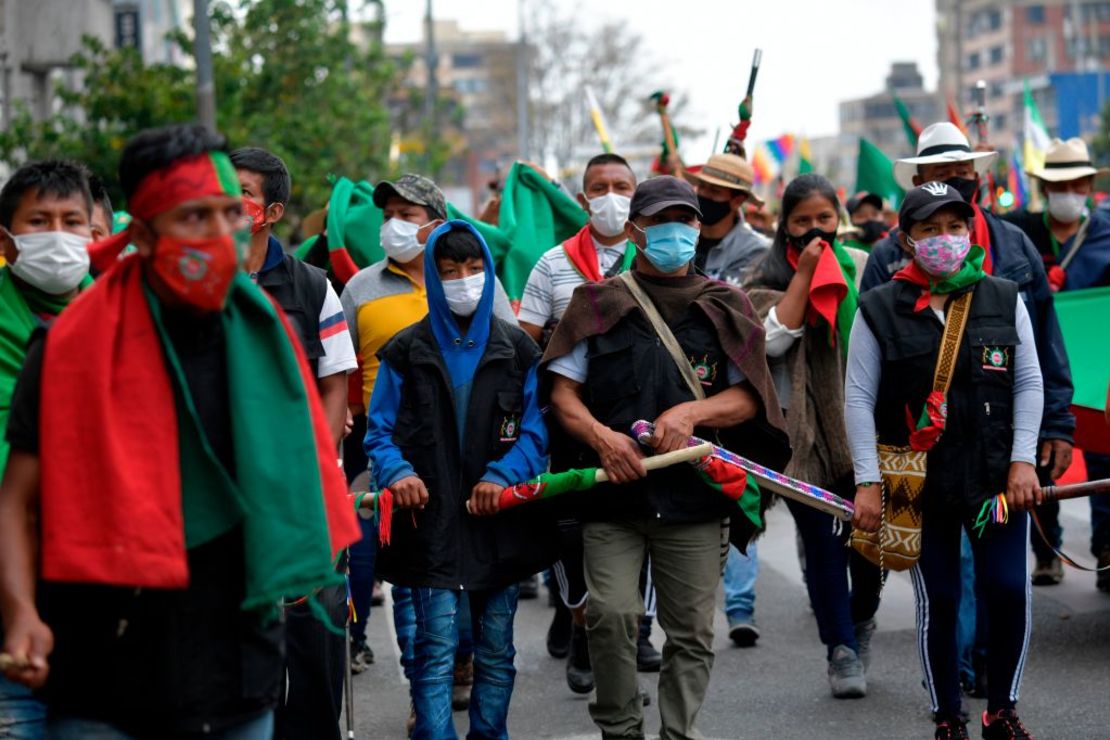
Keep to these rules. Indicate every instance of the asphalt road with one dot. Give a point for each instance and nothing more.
(778, 689)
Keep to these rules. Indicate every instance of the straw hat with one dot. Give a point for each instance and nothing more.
(727, 171)
(1067, 160)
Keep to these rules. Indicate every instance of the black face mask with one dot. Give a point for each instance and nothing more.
(712, 211)
(871, 231)
(966, 188)
(801, 242)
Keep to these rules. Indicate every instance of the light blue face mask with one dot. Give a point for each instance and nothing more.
(670, 246)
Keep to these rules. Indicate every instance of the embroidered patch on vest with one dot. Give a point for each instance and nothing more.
(996, 359)
(510, 428)
(705, 370)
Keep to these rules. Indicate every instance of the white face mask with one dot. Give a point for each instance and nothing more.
(464, 294)
(608, 213)
(55, 262)
(1066, 207)
(398, 240)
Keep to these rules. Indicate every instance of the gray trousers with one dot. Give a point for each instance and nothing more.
(686, 565)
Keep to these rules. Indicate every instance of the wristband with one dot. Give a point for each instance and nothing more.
(868, 483)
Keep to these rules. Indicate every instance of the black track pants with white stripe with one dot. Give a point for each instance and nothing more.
(1002, 581)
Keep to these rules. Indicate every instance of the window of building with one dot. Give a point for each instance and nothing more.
(1037, 49)
(466, 61)
(973, 60)
(996, 54)
(999, 121)
(1034, 14)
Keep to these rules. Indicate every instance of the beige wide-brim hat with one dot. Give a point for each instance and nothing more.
(727, 171)
(939, 143)
(1067, 160)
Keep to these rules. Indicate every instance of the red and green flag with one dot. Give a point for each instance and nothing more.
(1085, 338)
(909, 123)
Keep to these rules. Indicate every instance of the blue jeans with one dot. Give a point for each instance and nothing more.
(1098, 466)
(740, 574)
(21, 714)
(437, 635)
(971, 622)
(404, 621)
(364, 554)
(76, 728)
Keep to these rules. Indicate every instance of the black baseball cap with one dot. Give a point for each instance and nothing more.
(664, 191)
(927, 199)
(860, 199)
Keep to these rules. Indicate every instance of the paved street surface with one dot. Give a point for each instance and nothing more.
(779, 690)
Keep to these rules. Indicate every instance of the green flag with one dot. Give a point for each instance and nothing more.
(1079, 313)
(535, 215)
(875, 174)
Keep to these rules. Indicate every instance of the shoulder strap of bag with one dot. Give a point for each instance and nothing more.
(665, 334)
(1077, 242)
(954, 325)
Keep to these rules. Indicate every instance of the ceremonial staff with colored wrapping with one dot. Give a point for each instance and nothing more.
(735, 143)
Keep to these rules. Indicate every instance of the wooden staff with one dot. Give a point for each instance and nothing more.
(670, 138)
(1076, 490)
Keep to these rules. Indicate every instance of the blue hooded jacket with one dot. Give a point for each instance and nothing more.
(462, 353)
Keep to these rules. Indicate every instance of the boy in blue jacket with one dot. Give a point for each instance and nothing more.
(454, 418)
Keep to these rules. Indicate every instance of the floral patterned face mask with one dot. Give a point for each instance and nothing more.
(941, 255)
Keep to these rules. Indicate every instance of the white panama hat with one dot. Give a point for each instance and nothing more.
(1067, 160)
(938, 143)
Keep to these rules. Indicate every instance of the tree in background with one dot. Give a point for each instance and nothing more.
(570, 53)
(288, 77)
(1100, 146)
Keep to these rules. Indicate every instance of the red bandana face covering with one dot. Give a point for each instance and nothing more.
(257, 213)
(197, 272)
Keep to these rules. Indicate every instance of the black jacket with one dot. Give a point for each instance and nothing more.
(971, 460)
(443, 546)
(1015, 259)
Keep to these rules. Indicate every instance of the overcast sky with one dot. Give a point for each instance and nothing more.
(815, 52)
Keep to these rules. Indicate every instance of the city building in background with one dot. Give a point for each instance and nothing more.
(876, 118)
(1061, 47)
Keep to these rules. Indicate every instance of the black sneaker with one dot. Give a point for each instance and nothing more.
(362, 657)
(580, 674)
(1004, 726)
(951, 729)
(648, 659)
(529, 588)
(558, 634)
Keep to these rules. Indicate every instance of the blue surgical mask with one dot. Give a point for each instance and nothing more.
(670, 246)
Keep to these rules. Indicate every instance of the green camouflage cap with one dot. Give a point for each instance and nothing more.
(415, 189)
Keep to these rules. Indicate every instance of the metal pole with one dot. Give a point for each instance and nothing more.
(431, 87)
(206, 88)
(522, 68)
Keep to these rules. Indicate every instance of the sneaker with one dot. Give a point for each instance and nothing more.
(362, 657)
(580, 674)
(1102, 580)
(529, 588)
(648, 659)
(846, 674)
(742, 631)
(951, 729)
(645, 697)
(464, 680)
(865, 630)
(1004, 726)
(1048, 572)
(558, 634)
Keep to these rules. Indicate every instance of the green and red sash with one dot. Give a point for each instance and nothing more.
(832, 292)
(129, 483)
(583, 257)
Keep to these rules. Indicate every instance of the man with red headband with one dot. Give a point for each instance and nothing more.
(171, 475)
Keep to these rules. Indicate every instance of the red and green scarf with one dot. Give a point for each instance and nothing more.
(22, 307)
(583, 257)
(129, 483)
(832, 292)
